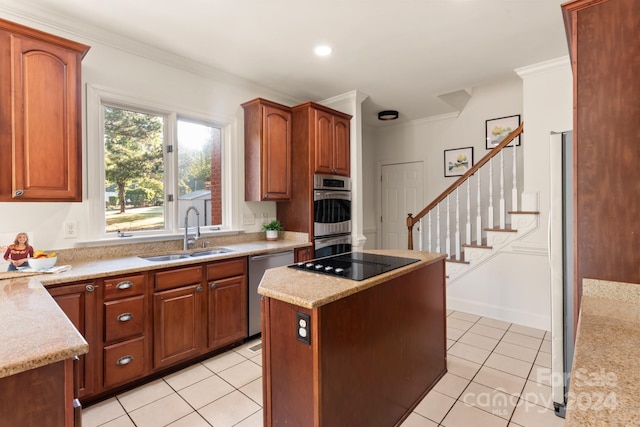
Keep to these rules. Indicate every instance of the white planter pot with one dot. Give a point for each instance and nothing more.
(272, 235)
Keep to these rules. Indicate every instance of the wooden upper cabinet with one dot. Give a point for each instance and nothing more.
(267, 146)
(330, 138)
(40, 100)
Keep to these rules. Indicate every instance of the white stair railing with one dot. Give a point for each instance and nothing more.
(483, 203)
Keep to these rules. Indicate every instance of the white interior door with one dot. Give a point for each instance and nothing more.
(402, 193)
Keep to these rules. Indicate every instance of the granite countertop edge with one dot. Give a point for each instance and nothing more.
(605, 379)
(283, 283)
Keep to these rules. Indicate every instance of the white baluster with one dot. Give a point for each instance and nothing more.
(514, 190)
(457, 235)
(478, 213)
(447, 241)
(502, 205)
(429, 232)
(438, 227)
(490, 223)
(467, 237)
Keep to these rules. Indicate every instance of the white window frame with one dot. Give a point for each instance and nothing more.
(97, 98)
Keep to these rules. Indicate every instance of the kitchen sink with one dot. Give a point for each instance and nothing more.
(215, 251)
(165, 257)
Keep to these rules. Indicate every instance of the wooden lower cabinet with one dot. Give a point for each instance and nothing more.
(124, 362)
(178, 325)
(43, 396)
(79, 302)
(227, 302)
(303, 254)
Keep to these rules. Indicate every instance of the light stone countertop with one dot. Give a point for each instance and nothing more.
(36, 332)
(605, 378)
(308, 289)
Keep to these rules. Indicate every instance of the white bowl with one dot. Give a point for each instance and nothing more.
(42, 263)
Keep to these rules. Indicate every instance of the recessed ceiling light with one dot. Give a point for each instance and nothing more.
(323, 50)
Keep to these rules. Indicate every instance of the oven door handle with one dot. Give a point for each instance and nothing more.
(329, 241)
(337, 195)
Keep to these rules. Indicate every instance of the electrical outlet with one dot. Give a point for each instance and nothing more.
(248, 220)
(70, 230)
(303, 327)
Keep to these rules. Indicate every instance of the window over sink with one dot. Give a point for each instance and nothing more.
(154, 163)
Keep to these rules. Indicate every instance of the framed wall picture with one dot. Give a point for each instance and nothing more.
(496, 130)
(457, 161)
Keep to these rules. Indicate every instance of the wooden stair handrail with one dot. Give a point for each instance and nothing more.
(411, 220)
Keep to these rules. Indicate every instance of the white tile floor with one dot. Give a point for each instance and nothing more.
(498, 376)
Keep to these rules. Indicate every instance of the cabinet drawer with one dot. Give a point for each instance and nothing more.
(123, 318)
(178, 277)
(124, 362)
(123, 287)
(222, 269)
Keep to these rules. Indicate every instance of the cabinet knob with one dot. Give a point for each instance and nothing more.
(212, 285)
(199, 289)
(124, 317)
(18, 193)
(124, 360)
(125, 284)
(90, 288)
(266, 196)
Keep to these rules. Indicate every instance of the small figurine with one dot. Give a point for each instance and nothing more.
(18, 254)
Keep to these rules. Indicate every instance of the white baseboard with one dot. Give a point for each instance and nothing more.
(532, 320)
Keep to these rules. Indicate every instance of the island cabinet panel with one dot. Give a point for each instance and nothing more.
(373, 355)
(40, 91)
(79, 302)
(40, 397)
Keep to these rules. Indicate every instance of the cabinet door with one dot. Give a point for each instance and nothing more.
(227, 311)
(323, 142)
(341, 147)
(177, 325)
(276, 154)
(45, 112)
(79, 303)
(303, 254)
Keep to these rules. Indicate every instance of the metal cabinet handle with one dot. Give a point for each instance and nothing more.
(90, 288)
(199, 289)
(212, 285)
(18, 193)
(124, 360)
(124, 317)
(125, 284)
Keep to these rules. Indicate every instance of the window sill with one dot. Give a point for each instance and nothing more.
(112, 241)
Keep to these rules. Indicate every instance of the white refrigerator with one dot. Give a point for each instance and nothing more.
(562, 268)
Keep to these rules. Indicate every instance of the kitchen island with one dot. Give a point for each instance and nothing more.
(340, 352)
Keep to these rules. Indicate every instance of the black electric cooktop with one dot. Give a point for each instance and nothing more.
(354, 265)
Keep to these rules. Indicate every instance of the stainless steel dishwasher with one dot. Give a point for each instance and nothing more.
(257, 266)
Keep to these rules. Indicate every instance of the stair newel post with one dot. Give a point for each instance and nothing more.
(438, 227)
(514, 190)
(457, 234)
(467, 236)
(410, 231)
(502, 204)
(447, 240)
(429, 231)
(478, 212)
(490, 223)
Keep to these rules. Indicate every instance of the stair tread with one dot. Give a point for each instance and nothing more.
(523, 213)
(475, 244)
(452, 258)
(507, 229)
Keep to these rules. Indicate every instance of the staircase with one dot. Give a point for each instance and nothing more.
(484, 230)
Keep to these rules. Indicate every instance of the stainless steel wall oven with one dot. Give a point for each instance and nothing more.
(331, 214)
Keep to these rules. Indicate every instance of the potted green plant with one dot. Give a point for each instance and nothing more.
(272, 229)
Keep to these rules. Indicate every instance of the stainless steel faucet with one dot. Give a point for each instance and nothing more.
(188, 240)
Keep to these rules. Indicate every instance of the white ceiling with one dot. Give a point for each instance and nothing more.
(403, 54)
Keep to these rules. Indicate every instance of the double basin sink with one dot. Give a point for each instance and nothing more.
(171, 257)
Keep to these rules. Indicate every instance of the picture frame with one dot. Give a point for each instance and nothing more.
(496, 130)
(457, 161)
